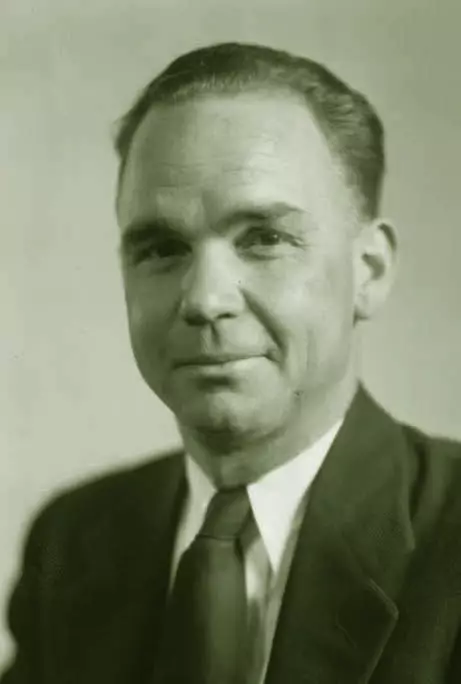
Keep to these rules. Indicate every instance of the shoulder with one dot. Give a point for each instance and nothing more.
(432, 446)
(437, 460)
(117, 484)
(111, 497)
(435, 484)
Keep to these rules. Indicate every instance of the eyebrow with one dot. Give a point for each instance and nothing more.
(263, 212)
(140, 230)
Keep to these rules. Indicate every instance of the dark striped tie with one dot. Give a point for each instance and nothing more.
(206, 626)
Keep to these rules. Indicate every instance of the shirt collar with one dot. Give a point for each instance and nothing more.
(275, 498)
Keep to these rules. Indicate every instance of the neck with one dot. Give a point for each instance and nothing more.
(232, 460)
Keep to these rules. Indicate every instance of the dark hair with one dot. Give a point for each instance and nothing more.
(351, 126)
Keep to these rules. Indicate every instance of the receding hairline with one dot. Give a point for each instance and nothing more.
(269, 89)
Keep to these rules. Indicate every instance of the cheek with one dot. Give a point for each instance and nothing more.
(310, 310)
(282, 300)
(333, 311)
(148, 317)
(339, 290)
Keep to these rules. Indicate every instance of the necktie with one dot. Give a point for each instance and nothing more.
(205, 632)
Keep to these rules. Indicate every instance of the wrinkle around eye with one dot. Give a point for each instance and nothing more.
(267, 241)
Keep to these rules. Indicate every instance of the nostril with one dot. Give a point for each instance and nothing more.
(200, 318)
(195, 318)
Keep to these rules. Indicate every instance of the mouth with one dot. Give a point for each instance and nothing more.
(213, 360)
(217, 367)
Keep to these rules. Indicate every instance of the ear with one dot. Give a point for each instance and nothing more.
(375, 266)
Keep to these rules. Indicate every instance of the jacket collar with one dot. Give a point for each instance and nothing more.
(105, 613)
(339, 607)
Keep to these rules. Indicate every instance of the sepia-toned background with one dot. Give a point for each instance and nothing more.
(71, 403)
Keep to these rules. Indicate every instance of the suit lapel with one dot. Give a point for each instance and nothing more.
(339, 606)
(105, 620)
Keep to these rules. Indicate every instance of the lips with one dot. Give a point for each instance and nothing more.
(212, 359)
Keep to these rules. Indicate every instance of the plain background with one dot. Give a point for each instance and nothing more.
(71, 402)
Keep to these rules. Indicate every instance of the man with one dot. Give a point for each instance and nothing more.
(303, 535)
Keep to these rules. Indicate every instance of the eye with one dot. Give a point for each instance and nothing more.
(263, 241)
(160, 251)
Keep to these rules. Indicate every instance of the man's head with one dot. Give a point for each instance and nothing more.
(248, 196)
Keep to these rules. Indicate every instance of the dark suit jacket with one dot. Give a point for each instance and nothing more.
(374, 593)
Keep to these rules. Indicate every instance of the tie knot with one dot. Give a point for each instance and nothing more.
(227, 514)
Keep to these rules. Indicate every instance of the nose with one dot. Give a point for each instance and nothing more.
(211, 287)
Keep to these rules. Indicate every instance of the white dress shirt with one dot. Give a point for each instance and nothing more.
(278, 502)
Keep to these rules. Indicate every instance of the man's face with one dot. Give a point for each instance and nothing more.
(237, 246)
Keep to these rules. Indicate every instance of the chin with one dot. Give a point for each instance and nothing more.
(219, 418)
(235, 407)
(228, 416)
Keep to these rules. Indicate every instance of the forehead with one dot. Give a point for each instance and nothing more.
(211, 153)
